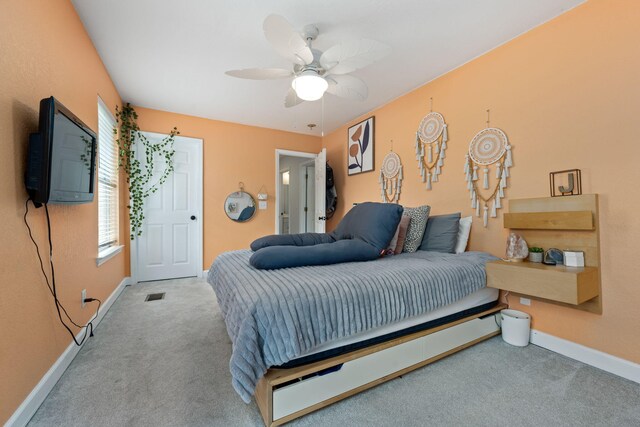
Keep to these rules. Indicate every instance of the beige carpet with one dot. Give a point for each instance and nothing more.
(165, 363)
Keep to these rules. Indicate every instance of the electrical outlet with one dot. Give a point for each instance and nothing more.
(83, 295)
(525, 301)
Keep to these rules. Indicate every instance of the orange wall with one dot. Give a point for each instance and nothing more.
(232, 153)
(44, 51)
(568, 96)
(566, 93)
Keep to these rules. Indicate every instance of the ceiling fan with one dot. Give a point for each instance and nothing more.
(315, 72)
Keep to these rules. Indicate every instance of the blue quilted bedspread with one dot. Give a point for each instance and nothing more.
(274, 316)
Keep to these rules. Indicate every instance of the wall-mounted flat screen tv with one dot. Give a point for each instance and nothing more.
(61, 158)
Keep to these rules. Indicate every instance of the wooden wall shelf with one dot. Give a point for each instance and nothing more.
(576, 220)
(565, 223)
(570, 285)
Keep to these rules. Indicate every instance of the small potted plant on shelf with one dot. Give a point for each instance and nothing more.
(535, 254)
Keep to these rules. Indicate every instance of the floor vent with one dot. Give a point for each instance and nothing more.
(155, 297)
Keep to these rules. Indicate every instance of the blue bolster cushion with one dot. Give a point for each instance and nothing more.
(362, 235)
(273, 257)
(302, 239)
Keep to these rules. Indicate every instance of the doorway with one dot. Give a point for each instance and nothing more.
(171, 242)
(299, 187)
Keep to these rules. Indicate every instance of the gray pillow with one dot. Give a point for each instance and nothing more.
(416, 228)
(441, 233)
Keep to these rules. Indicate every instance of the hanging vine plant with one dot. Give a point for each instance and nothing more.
(141, 178)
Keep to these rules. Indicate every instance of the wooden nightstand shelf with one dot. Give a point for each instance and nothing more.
(570, 285)
(569, 222)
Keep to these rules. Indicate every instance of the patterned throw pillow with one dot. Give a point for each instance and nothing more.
(416, 228)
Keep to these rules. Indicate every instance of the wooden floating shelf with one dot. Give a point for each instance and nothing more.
(571, 220)
(569, 285)
(565, 223)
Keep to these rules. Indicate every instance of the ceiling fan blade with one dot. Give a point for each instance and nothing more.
(286, 40)
(348, 87)
(260, 73)
(346, 57)
(291, 100)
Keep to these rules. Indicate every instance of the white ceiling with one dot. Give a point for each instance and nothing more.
(172, 54)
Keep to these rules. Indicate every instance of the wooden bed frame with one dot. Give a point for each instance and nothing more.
(283, 395)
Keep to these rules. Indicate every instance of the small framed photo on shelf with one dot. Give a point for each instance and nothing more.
(565, 183)
(360, 147)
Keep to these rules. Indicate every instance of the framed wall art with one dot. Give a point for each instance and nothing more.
(360, 147)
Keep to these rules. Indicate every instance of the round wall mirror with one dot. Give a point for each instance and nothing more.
(240, 206)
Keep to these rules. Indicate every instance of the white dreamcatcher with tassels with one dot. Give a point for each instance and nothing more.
(488, 147)
(390, 177)
(432, 137)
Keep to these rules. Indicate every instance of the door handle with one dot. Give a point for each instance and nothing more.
(193, 217)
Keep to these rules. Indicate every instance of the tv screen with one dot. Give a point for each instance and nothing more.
(62, 155)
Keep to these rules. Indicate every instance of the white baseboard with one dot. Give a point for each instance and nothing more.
(596, 358)
(30, 405)
(205, 273)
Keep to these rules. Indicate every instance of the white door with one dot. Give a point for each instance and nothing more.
(321, 191)
(171, 241)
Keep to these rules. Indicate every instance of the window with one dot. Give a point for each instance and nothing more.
(107, 184)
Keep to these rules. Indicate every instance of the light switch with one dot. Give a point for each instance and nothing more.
(262, 204)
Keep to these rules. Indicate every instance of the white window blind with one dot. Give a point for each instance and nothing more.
(107, 180)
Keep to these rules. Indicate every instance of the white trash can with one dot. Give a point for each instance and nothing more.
(516, 326)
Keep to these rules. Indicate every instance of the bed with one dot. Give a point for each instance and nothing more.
(297, 325)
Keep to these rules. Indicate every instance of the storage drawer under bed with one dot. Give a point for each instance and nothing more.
(354, 375)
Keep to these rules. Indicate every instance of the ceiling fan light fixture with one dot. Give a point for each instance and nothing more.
(309, 86)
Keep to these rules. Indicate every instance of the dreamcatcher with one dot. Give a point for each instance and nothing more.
(431, 137)
(489, 147)
(390, 178)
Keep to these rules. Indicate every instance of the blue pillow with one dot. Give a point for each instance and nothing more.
(374, 223)
(441, 233)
